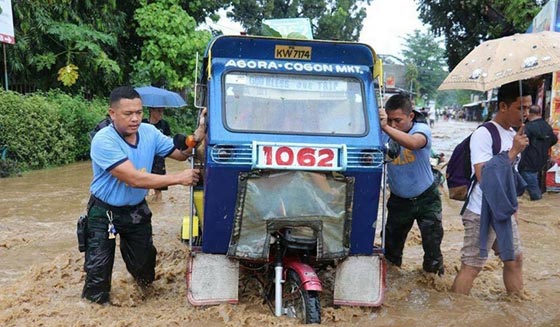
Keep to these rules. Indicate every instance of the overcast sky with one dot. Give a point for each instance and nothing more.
(386, 24)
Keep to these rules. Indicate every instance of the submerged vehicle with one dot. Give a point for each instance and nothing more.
(292, 174)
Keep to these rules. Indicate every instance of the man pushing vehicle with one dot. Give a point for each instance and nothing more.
(122, 155)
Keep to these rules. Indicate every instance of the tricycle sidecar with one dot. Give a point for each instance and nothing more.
(292, 171)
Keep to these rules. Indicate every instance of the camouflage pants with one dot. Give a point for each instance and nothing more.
(426, 210)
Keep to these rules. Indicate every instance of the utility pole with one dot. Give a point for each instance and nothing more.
(5, 67)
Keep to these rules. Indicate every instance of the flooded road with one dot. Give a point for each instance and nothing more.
(41, 273)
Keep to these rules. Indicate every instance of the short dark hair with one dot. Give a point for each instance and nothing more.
(535, 109)
(399, 101)
(123, 92)
(509, 92)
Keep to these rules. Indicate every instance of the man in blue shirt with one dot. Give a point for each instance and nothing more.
(414, 194)
(122, 156)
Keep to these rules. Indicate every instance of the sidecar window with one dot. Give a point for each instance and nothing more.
(294, 104)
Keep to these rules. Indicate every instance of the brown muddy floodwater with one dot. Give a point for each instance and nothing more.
(41, 273)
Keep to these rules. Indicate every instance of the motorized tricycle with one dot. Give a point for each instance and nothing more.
(292, 173)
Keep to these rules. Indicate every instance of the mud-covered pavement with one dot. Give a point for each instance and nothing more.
(41, 273)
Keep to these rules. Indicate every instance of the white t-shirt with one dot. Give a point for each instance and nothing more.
(432, 114)
(481, 151)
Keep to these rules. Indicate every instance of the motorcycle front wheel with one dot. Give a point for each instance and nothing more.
(300, 303)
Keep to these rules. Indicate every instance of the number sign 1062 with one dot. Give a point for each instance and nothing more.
(285, 156)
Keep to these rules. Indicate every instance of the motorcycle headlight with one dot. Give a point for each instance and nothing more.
(224, 153)
(367, 158)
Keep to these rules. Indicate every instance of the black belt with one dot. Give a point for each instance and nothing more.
(94, 201)
(428, 190)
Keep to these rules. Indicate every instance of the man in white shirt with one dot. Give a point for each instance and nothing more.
(432, 116)
(512, 110)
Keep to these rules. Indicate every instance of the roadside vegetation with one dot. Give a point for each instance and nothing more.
(46, 129)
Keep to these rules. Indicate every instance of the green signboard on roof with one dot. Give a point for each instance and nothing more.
(291, 27)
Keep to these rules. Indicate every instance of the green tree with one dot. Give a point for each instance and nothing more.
(411, 76)
(464, 24)
(202, 9)
(87, 46)
(330, 19)
(71, 40)
(425, 61)
(455, 97)
(170, 44)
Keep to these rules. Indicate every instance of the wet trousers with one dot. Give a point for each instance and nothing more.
(134, 227)
(533, 187)
(426, 210)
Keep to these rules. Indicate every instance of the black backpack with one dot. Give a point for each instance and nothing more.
(104, 123)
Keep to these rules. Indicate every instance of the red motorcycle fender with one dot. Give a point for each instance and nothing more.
(309, 279)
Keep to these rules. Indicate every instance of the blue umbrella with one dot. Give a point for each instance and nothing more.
(159, 98)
